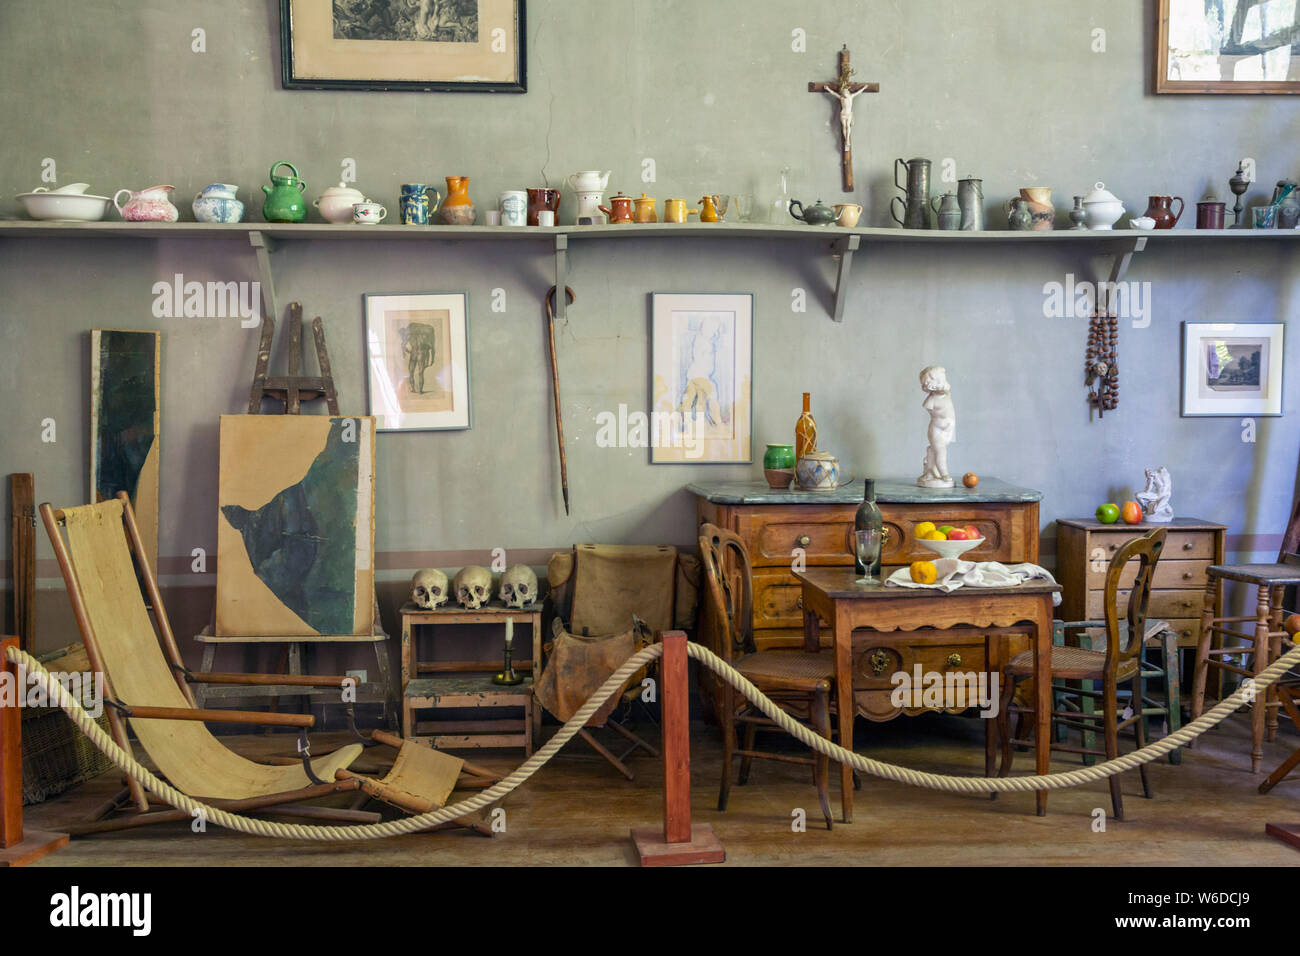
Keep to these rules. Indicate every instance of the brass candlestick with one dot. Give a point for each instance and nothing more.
(507, 675)
(1238, 184)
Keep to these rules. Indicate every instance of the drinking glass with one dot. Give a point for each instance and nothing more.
(720, 203)
(866, 544)
(745, 208)
(1264, 216)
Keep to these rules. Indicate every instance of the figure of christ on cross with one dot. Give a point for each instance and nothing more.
(845, 90)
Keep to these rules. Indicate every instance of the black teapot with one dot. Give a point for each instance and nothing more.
(814, 215)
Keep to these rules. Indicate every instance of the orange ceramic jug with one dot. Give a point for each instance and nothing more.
(619, 209)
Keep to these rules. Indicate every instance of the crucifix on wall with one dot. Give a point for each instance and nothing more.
(845, 90)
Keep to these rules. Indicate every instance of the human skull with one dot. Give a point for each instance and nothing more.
(473, 587)
(429, 589)
(518, 586)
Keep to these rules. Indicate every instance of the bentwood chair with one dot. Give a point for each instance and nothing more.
(1288, 696)
(800, 682)
(1119, 662)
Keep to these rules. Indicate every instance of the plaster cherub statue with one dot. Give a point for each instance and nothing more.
(1154, 498)
(943, 428)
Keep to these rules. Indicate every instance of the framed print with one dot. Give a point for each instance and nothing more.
(418, 361)
(701, 378)
(1228, 46)
(1232, 368)
(437, 46)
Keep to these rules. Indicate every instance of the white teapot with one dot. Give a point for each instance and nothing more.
(590, 181)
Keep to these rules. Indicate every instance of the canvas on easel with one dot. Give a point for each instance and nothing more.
(124, 424)
(295, 526)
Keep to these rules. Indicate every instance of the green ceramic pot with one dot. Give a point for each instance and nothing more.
(778, 466)
(284, 200)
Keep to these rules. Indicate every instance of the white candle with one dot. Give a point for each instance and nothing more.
(510, 631)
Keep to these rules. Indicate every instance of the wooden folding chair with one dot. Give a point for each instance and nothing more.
(145, 683)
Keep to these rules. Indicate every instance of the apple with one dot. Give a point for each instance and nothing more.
(972, 533)
(1108, 513)
(1131, 512)
(958, 534)
(947, 529)
(970, 479)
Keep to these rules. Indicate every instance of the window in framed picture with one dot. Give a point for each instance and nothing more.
(447, 46)
(1232, 368)
(417, 358)
(701, 378)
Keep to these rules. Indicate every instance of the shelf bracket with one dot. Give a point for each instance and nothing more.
(561, 276)
(1123, 256)
(263, 245)
(843, 249)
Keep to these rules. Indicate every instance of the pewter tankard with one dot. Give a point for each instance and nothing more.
(970, 197)
(916, 193)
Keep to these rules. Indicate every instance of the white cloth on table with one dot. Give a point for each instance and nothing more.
(953, 573)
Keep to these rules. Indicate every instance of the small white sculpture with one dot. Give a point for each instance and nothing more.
(518, 586)
(1154, 498)
(943, 428)
(473, 587)
(429, 589)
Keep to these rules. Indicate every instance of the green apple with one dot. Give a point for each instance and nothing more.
(1108, 514)
(948, 529)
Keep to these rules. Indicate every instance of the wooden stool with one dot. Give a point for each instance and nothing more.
(1264, 645)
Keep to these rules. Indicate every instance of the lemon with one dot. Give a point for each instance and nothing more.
(924, 528)
(936, 536)
(923, 572)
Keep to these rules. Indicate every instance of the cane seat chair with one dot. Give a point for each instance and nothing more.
(800, 682)
(1118, 662)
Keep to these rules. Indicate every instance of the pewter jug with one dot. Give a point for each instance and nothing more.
(918, 178)
(915, 213)
(970, 198)
(1019, 217)
(948, 212)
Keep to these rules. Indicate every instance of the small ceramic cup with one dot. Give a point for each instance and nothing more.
(847, 214)
(545, 217)
(492, 217)
(368, 213)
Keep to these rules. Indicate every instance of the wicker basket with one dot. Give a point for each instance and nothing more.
(56, 754)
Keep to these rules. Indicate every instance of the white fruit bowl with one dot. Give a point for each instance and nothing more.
(64, 207)
(950, 549)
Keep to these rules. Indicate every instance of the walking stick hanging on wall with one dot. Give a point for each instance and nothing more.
(555, 388)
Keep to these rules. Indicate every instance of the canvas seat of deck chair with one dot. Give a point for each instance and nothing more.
(137, 673)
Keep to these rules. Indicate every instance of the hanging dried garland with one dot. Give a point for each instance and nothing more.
(1101, 369)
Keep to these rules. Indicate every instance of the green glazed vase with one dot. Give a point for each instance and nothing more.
(284, 197)
(778, 466)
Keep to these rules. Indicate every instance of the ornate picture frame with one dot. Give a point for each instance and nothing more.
(1248, 41)
(417, 360)
(437, 46)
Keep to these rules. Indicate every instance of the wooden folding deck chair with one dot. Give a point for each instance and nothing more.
(145, 684)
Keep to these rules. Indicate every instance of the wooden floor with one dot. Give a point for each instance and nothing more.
(577, 811)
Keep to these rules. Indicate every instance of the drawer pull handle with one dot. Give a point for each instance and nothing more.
(954, 660)
(879, 660)
(798, 602)
(804, 541)
(1187, 546)
(1187, 575)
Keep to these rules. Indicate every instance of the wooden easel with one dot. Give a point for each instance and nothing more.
(294, 388)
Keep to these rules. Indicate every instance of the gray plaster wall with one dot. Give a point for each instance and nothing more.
(713, 93)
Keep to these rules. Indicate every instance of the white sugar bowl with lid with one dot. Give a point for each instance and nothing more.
(335, 204)
(1102, 208)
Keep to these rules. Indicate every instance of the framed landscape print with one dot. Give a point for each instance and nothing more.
(440, 46)
(701, 378)
(295, 526)
(1232, 368)
(124, 420)
(1228, 46)
(417, 360)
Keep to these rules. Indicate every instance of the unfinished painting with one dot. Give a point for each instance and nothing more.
(124, 421)
(701, 380)
(418, 362)
(295, 529)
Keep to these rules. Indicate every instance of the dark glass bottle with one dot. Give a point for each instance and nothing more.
(869, 518)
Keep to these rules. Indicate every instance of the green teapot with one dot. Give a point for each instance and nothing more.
(284, 199)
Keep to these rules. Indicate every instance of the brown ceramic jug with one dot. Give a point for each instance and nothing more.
(1158, 208)
(539, 198)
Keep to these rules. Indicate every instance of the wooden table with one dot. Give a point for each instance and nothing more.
(896, 614)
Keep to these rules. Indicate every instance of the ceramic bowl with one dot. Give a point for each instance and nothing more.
(64, 207)
(1143, 223)
(818, 471)
(950, 549)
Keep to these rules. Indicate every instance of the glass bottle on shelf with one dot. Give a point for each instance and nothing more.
(805, 430)
(779, 212)
(868, 531)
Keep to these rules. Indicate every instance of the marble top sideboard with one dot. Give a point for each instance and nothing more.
(896, 491)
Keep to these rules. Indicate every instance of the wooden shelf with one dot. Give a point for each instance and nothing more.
(841, 244)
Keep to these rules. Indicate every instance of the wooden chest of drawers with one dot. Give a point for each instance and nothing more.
(780, 527)
(1084, 548)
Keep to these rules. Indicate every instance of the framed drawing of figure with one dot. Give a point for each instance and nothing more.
(701, 378)
(417, 360)
(1228, 46)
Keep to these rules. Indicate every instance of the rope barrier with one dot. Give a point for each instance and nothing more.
(266, 828)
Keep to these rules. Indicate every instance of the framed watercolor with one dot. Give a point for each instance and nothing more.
(124, 424)
(436, 46)
(417, 359)
(701, 378)
(1232, 368)
(1229, 46)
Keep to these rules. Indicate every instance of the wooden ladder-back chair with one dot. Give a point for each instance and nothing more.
(145, 683)
(800, 682)
(1119, 662)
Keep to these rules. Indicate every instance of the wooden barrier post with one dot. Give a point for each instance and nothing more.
(16, 848)
(679, 842)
